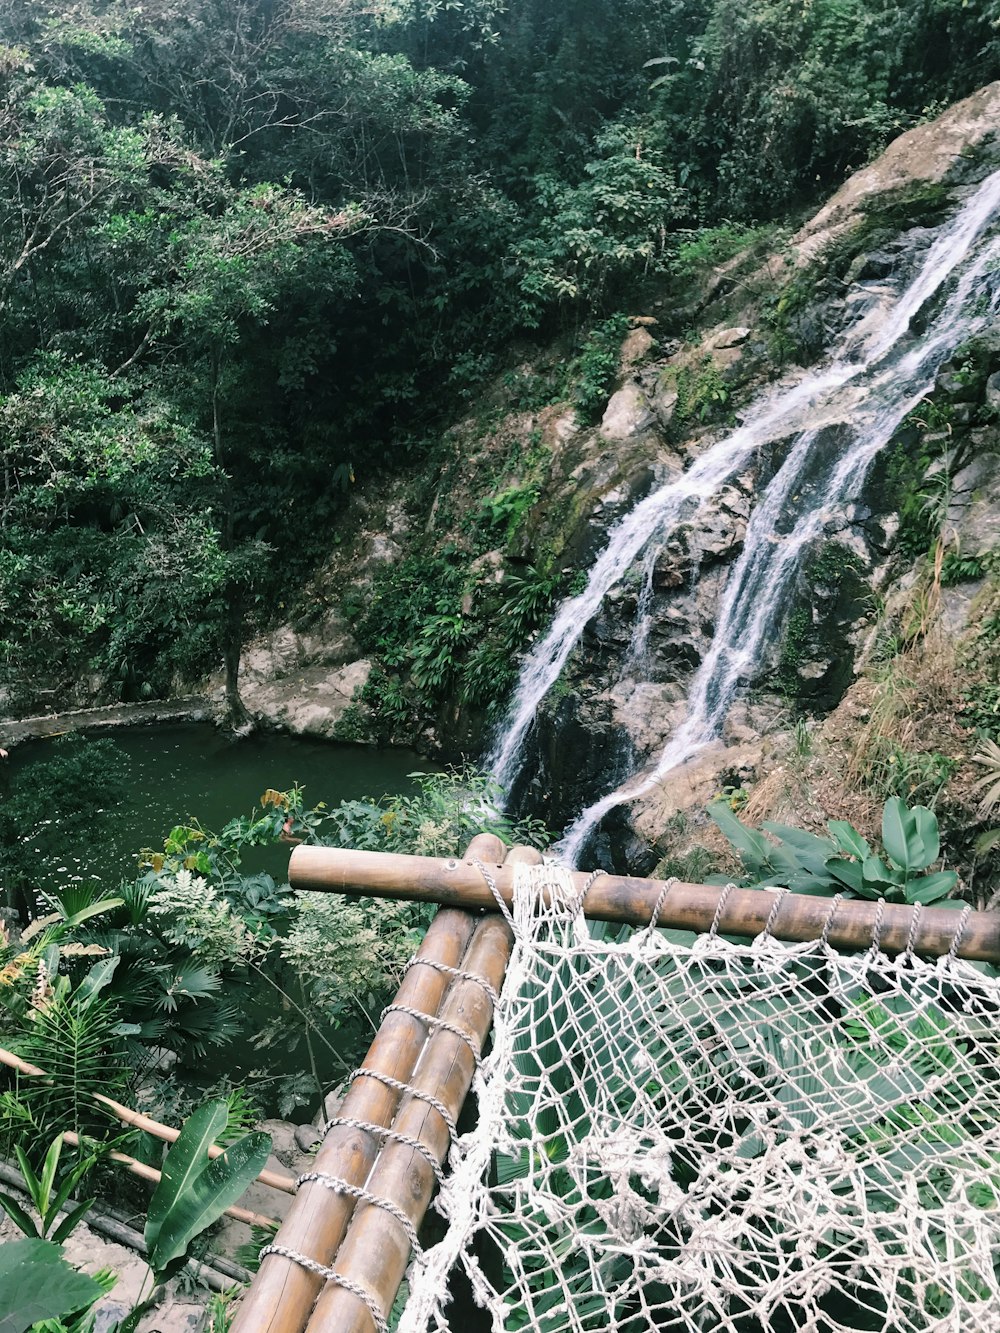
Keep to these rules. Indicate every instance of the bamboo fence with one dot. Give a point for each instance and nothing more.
(284, 1294)
(342, 1257)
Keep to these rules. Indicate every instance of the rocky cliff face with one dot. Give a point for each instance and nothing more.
(924, 530)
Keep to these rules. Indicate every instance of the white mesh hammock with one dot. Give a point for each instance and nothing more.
(686, 1133)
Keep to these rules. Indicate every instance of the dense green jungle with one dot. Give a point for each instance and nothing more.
(340, 343)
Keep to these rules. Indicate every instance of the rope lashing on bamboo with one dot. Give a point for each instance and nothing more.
(959, 932)
(458, 973)
(388, 1136)
(824, 938)
(398, 1086)
(331, 1275)
(534, 879)
(361, 1195)
(629, 900)
(439, 1024)
(659, 904)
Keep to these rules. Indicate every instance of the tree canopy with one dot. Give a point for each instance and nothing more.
(245, 243)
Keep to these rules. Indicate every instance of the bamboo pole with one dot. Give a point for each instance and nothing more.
(376, 1249)
(167, 1133)
(283, 1293)
(150, 1173)
(799, 916)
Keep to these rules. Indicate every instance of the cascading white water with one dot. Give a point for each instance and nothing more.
(876, 376)
(658, 512)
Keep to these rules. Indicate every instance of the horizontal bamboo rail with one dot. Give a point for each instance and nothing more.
(798, 917)
(216, 1272)
(166, 1133)
(283, 1294)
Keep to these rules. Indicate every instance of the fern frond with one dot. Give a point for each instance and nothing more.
(79, 1048)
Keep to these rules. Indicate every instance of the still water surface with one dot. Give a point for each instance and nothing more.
(175, 773)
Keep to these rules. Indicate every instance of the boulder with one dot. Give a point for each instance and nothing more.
(307, 1137)
(636, 347)
(870, 265)
(926, 154)
(664, 404)
(689, 788)
(974, 513)
(628, 414)
(955, 387)
(309, 702)
(993, 392)
(726, 338)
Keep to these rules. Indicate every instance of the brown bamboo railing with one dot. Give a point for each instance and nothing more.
(798, 917)
(150, 1173)
(166, 1133)
(283, 1294)
(376, 1249)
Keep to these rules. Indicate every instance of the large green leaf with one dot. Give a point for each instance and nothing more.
(848, 839)
(99, 976)
(755, 851)
(809, 851)
(848, 872)
(926, 828)
(194, 1190)
(37, 1283)
(895, 832)
(930, 888)
(185, 1160)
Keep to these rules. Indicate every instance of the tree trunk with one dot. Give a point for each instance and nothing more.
(236, 717)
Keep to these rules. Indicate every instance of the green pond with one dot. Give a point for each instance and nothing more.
(177, 772)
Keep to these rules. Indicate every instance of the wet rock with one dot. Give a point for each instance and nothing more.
(870, 265)
(993, 392)
(974, 513)
(648, 712)
(628, 413)
(693, 786)
(956, 387)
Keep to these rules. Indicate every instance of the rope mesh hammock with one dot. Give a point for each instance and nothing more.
(686, 1133)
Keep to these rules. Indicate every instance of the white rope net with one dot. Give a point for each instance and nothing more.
(686, 1133)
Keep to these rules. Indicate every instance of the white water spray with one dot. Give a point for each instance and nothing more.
(874, 379)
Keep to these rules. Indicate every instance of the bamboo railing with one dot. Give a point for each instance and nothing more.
(852, 922)
(165, 1133)
(284, 1294)
(341, 1259)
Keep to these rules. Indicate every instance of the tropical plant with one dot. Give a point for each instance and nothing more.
(845, 862)
(194, 1189)
(37, 1283)
(77, 1036)
(48, 1201)
(988, 755)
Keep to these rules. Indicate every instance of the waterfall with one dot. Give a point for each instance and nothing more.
(873, 379)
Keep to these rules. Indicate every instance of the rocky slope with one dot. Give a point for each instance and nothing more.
(523, 488)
